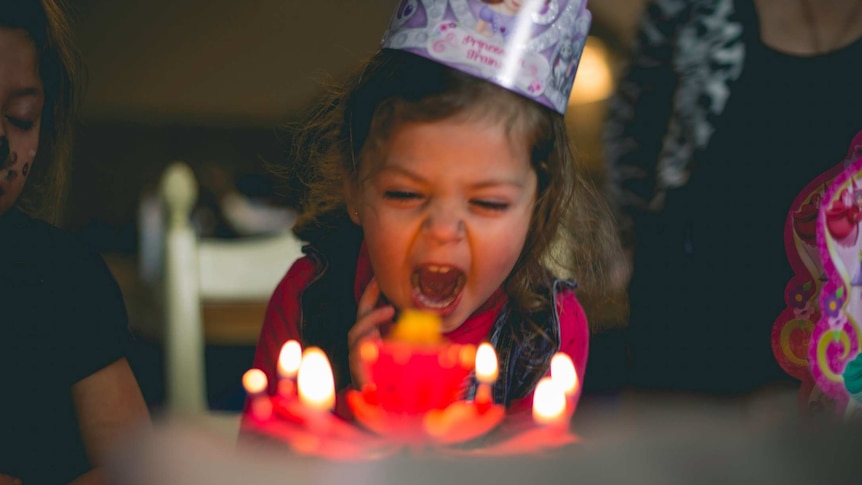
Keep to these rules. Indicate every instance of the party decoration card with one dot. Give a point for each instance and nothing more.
(836, 338)
(791, 332)
(798, 329)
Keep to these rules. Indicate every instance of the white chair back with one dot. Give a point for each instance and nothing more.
(198, 270)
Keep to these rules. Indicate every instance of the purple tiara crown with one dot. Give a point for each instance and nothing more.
(531, 47)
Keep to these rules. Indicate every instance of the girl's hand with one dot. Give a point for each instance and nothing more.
(7, 480)
(369, 318)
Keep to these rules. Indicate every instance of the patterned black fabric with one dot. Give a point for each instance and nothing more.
(328, 303)
(525, 356)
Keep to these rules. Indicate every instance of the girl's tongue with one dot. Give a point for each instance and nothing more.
(438, 285)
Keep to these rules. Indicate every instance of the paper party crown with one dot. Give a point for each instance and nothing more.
(531, 47)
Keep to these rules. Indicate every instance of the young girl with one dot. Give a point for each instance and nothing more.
(427, 187)
(68, 392)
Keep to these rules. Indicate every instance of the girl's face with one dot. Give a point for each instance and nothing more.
(21, 99)
(445, 214)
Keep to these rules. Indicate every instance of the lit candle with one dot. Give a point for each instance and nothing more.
(289, 360)
(255, 383)
(315, 382)
(563, 373)
(487, 370)
(549, 403)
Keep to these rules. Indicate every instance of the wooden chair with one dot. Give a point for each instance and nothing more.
(215, 291)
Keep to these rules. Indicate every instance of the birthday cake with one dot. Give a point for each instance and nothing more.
(414, 399)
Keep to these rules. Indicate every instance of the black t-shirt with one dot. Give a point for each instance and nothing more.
(62, 318)
(711, 269)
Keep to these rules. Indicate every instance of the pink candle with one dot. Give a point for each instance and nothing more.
(255, 383)
(289, 360)
(487, 371)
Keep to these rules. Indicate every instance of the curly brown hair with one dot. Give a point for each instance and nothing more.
(353, 124)
(60, 69)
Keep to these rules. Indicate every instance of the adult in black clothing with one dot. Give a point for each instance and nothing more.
(67, 393)
(728, 109)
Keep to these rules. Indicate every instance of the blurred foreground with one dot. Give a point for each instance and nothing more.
(661, 439)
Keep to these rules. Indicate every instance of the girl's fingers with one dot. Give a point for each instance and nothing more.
(368, 325)
(369, 298)
(369, 319)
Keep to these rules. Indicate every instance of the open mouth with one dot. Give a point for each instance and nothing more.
(437, 287)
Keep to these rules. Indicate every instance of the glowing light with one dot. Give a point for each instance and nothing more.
(417, 326)
(289, 359)
(594, 80)
(549, 402)
(486, 364)
(254, 381)
(467, 356)
(563, 373)
(368, 352)
(315, 382)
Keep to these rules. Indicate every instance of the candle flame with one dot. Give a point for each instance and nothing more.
(486, 364)
(549, 402)
(289, 359)
(254, 381)
(563, 373)
(314, 381)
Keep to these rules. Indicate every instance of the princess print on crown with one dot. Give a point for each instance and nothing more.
(497, 17)
(531, 47)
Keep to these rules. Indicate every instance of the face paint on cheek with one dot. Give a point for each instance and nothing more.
(11, 161)
(7, 158)
(26, 169)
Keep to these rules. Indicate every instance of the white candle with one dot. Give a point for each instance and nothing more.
(563, 373)
(549, 403)
(315, 381)
(289, 359)
(487, 370)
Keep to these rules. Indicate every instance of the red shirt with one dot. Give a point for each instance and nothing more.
(283, 318)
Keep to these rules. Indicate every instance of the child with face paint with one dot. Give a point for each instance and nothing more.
(427, 187)
(68, 390)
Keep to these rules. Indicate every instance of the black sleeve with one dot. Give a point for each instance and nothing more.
(93, 315)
